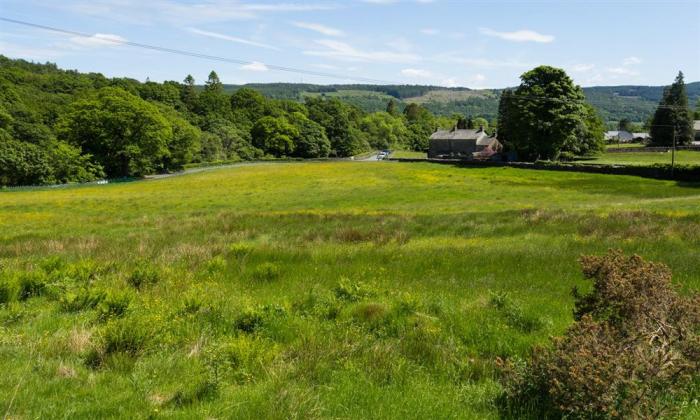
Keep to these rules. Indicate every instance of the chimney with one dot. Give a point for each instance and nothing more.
(481, 127)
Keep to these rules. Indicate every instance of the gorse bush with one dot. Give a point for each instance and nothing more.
(633, 352)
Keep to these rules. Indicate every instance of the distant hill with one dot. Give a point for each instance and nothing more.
(635, 103)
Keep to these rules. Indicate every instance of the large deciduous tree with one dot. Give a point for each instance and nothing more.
(274, 135)
(124, 133)
(384, 131)
(672, 116)
(546, 115)
(312, 141)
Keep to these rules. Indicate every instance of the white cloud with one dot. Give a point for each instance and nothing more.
(400, 44)
(631, 61)
(429, 31)
(524, 35)
(28, 53)
(622, 71)
(453, 58)
(98, 40)
(582, 68)
(479, 77)
(343, 51)
(146, 12)
(317, 27)
(255, 66)
(230, 38)
(380, 1)
(417, 73)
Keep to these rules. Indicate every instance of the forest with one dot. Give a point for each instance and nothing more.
(60, 126)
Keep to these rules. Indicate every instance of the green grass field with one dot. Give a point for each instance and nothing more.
(408, 154)
(683, 157)
(308, 290)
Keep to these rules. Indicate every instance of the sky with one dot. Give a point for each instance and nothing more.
(476, 44)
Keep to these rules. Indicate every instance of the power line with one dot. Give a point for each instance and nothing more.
(270, 66)
(195, 54)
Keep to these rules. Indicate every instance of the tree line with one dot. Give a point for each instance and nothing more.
(547, 117)
(59, 126)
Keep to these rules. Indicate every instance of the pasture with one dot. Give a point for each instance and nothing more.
(683, 157)
(308, 290)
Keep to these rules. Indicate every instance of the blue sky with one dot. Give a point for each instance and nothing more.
(476, 44)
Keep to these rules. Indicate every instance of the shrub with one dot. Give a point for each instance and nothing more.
(266, 272)
(143, 275)
(633, 351)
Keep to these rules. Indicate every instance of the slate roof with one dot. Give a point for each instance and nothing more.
(622, 135)
(458, 134)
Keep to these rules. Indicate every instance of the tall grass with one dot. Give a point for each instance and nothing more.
(336, 289)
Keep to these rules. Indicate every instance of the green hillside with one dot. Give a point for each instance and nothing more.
(635, 103)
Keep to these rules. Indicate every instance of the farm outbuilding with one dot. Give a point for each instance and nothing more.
(619, 136)
(463, 144)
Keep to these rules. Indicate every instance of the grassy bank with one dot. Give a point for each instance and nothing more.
(338, 289)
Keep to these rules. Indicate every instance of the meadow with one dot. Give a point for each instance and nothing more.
(683, 157)
(309, 290)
